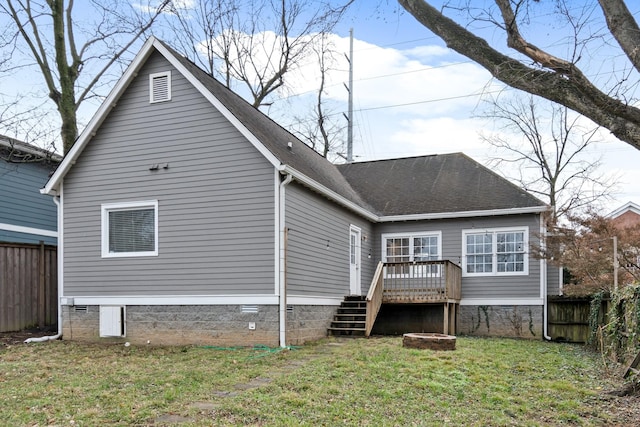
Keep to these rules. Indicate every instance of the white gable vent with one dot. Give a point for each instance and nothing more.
(160, 87)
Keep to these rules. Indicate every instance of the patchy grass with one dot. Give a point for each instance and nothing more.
(355, 382)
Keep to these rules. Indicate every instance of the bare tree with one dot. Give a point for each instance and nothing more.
(254, 43)
(322, 129)
(547, 148)
(73, 52)
(537, 70)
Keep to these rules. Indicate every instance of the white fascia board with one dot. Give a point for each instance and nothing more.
(28, 230)
(502, 301)
(464, 214)
(330, 194)
(176, 300)
(218, 105)
(311, 300)
(97, 119)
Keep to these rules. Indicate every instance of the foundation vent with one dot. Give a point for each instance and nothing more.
(249, 309)
(81, 309)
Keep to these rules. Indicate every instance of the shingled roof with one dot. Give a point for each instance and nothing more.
(426, 186)
(274, 137)
(434, 184)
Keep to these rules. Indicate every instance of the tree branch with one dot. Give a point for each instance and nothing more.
(566, 86)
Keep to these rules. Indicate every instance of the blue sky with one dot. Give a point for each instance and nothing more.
(413, 96)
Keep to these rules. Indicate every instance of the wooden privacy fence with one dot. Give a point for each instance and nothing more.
(28, 286)
(568, 318)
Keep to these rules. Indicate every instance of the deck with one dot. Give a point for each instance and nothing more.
(418, 282)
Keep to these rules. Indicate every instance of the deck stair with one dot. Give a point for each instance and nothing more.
(350, 319)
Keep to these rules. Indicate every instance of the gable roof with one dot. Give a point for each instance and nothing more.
(18, 151)
(627, 207)
(300, 160)
(353, 186)
(438, 184)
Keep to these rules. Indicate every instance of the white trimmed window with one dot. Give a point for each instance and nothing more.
(130, 229)
(498, 251)
(413, 247)
(160, 87)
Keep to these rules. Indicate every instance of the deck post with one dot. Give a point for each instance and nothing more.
(446, 318)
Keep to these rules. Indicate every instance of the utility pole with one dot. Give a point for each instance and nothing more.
(350, 107)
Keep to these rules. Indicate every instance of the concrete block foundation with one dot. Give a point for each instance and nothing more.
(521, 321)
(223, 325)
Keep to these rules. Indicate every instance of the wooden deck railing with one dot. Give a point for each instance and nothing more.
(374, 298)
(421, 282)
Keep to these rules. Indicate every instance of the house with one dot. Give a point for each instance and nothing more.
(188, 216)
(626, 219)
(26, 216)
(28, 237)
(627, 215)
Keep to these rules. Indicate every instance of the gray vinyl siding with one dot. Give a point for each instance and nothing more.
(216, 211)
(318, 245)
(485, 287)
(553, 279)
(22, 204)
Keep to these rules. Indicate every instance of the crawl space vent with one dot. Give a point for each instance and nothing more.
(249, 309)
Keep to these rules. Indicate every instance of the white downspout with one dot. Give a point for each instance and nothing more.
(283, 273)
(543, 278)
(56, 200)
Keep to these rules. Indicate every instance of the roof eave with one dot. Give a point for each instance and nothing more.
(465, 214)
(97, 119)
(328, 193)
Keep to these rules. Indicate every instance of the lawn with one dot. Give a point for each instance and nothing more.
(352, 382)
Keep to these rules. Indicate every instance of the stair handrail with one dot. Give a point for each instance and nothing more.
(374, 298)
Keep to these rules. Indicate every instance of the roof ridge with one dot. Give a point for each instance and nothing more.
(401, 158)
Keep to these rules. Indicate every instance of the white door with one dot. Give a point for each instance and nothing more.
(354, 260)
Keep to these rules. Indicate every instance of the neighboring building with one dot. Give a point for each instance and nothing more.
(28, 236)
(26, 216)
(188, 216)
(627, 215)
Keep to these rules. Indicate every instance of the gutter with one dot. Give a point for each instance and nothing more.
(282, 289)
(56, 200)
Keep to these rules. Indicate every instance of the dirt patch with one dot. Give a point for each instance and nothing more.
(15, 338)
(621, 411)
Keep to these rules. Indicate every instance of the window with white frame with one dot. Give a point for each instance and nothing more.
(495, 252)
(130, 229)
(409, 248)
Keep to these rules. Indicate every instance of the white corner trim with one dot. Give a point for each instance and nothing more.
(502, 301)
(28, 230)
(176, 300)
